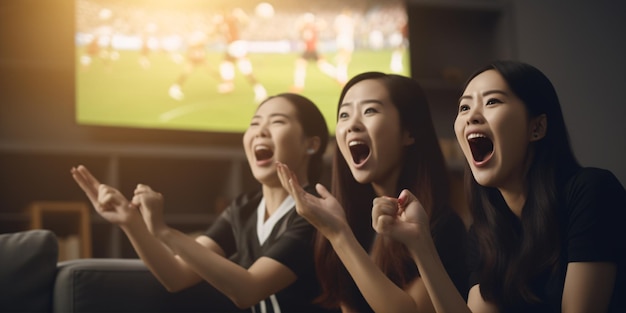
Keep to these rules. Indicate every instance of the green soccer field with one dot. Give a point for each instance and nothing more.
(122, 93)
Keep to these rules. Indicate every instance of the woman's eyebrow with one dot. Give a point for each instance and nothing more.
(280, 115)
(465, 97)
(486, 93)
(362, 102)
(490, 92)
(271, 115)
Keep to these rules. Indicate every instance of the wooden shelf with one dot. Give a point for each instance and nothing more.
(69, 220)
(36, 180)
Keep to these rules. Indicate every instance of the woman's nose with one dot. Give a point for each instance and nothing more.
(475, 116)
(355, 124)
(262, 131)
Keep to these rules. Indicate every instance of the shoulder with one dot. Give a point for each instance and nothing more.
(593, 173)
(593, 178)
(593, 211)
(244, 203)
(247, 197)
(594, 186)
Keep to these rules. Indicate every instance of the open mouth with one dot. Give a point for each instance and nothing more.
(480, 145)
(359, 150)
(262, 153)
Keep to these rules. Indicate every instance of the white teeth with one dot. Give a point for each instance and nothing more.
(475, 135)
(355, 142)
(261, 147)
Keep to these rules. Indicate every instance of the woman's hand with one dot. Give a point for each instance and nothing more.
(324, 212)
(401, 219)
(150, 204)
(108, 201)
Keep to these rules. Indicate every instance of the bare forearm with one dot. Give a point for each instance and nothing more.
(229, 278)
(442, 291)
(173, 274)
(380, 292)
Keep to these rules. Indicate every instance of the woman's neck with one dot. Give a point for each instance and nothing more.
(274, 197)
(387, 186)
(515, 197)
(514, 190)
(384, 190)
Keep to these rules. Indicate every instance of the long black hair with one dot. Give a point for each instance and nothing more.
(514, 253)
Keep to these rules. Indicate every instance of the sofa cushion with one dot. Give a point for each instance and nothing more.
(126, 285)
(28, 262)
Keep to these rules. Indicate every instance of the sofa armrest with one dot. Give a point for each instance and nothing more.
(126, 285)
(27, 267)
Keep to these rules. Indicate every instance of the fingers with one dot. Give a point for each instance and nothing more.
(88, 177)
(383, 224)
(141, 188)
(146, 199)
(405, 198)
(87, 182)
(143, 192)
(82, 183)
(136, 201)
(384, 212)
(289, 180)
(108, 194)
(133, 205)
(107, 198)
(283, 176)
(385, 205)
(322, 191)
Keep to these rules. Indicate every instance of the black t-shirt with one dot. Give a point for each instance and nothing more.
(452, 242)
(290, 243)
(592, 216)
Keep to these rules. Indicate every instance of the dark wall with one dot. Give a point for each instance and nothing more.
(581, 46)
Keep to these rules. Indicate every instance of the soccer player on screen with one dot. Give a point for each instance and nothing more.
(308, 30)
(228, 24)
(149, 42)
(195, 57)
(100, 42)
(344, 25)
(399, 42)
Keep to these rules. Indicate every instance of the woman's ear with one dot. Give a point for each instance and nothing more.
(538, 127)
(313, 145)
(407, 139)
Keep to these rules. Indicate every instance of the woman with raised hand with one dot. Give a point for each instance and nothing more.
(385, 142)
(547, 234)
(259, 251)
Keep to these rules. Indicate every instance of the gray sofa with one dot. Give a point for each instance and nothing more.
(31, 280)
(27, 271)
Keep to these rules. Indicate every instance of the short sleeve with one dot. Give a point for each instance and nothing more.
(595, 203)
(221, 231)
(294, 246)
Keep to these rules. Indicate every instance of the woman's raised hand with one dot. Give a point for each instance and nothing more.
(324, 212)
(402, 218)
(108, 201)
(150, 204)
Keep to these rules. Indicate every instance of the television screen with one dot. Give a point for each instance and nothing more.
(204, 65)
